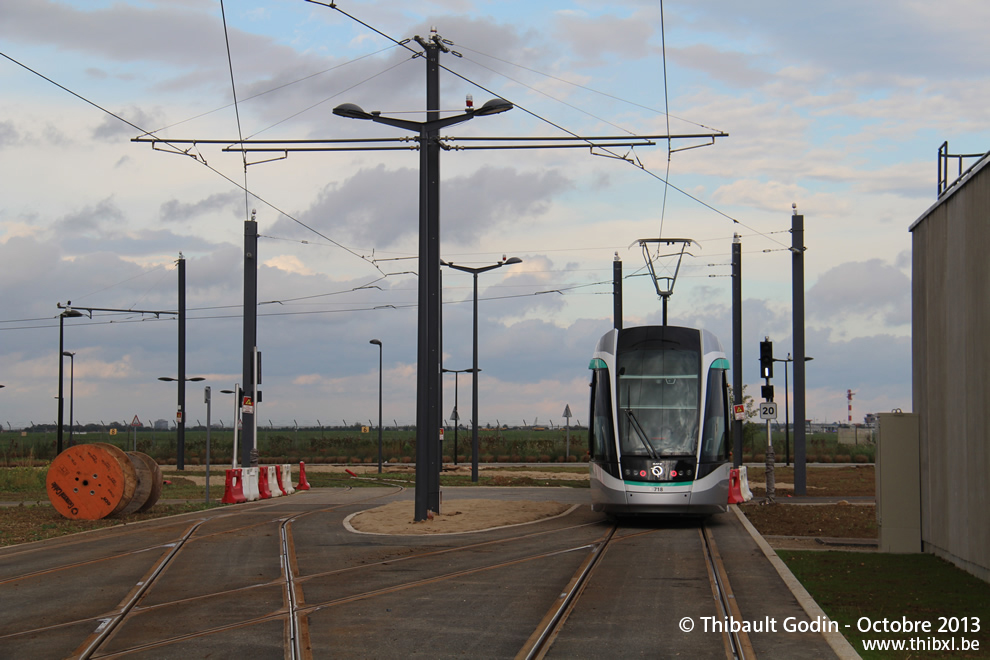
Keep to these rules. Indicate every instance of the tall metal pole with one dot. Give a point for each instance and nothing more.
(61, 369)
(207, 397)
(456, 415)
(737, 357)
(72, 393)
(617, 292)
(787, 417)
(250, 338)
(180, 423)
(428, 416)
(474, 389)
(380, 350)
(797, 293)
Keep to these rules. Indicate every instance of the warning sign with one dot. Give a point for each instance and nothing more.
(739, 412)
(136, 421)
(247, 405)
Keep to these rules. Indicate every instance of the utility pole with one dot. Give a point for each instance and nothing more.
(428, 414)
(249, 455)
(737, 357)
(617, 292)
(180, 416)
(797, 294)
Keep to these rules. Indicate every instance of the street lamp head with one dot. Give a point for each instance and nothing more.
(196, 379)
(492, 107)
(68, 354)
(351, 111)
(71, 313)
(375, 342)
(512, 260)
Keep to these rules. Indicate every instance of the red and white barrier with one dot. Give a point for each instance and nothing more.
(285, 479)
(273, 488)
(739, 491)
(262, 483)
(744, 484)
(303, 484)
(252, 490)
(233, 492)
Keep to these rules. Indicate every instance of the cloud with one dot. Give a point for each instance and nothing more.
(113, 129)
(90, 218)
(9, 135)
(175, 211)
(873, 291)
(483, 202)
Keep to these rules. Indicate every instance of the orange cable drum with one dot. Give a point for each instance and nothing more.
(89, 482)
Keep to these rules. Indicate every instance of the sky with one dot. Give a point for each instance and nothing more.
(838, 108)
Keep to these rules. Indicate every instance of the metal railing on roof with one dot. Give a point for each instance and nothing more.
(943, 166)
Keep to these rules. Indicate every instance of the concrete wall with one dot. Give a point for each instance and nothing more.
(951, 371)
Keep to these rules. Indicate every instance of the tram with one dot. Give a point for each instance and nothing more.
(658, 437)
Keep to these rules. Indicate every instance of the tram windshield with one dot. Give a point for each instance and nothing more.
(658, 397)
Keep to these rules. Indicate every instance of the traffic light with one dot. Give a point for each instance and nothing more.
(766, 358)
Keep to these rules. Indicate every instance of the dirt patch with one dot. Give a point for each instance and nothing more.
(457, 517)
(814, 520)
(851, 481)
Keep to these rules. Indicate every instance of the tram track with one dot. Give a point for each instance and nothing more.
(320, 601)
(736, 644)
(109, 622)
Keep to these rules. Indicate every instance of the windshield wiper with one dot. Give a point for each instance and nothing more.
(641, 433)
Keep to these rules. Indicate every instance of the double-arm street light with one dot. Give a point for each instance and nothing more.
(72, 390)
(67, 313)
(787, 409)
(474, 378)
(378, 343)
(456, 415)
(428, 415)
(180, 422)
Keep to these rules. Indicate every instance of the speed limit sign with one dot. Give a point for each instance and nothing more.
(768, 410)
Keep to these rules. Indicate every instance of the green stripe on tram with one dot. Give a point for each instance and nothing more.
(662, 484)
(720, 363)
(597, 363)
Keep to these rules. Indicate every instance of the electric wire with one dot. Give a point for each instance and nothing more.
(198, 158)
(237, 112)
(666, 113)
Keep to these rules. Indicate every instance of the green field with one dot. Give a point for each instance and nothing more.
(354, 446)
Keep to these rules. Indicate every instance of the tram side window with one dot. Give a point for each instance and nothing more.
(714, 446)
(601, 438)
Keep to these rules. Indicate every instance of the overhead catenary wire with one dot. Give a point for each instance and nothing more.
(237, 111)
(199, 159)
(535, 115)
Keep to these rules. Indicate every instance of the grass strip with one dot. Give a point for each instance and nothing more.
(851, 586)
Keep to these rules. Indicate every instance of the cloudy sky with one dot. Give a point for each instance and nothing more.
(837, 107)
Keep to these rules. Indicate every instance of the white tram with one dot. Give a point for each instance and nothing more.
(659, 422)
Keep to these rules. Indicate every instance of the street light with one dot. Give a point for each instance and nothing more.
(454, 415)
(67, 313)
(206, 400)
(72, 389)
(180, 425)
(237, 418)
(428, 416)
(380, 350)
(787, 410)
(474, 378)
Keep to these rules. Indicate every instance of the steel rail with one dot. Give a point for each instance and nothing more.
(737, 643)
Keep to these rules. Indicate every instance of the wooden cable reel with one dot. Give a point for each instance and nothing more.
(99, 480)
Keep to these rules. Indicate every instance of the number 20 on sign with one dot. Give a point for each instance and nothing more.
(768, 410)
